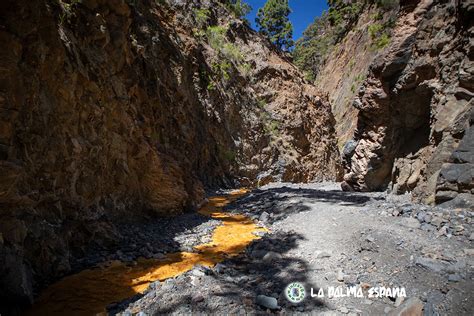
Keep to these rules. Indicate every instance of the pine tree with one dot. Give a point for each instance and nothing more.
(273, 22)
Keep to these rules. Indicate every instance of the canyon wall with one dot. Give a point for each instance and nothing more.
(415, 108)
(399, 77)
(113, 108)
(346, 65)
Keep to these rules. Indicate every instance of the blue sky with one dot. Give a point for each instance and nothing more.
(304, 12)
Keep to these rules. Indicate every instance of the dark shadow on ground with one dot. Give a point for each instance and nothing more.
(283, 201)
(144, 236)
(232, 286)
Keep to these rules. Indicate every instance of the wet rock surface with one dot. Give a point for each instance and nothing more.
(323, 237)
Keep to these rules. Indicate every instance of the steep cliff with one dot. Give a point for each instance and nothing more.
(113, 108)
(415, 106)
(337, 50)
(399, 77)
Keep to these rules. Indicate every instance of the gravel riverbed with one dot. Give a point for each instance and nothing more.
(325, 238)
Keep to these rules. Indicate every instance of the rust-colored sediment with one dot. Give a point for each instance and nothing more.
(90, 291)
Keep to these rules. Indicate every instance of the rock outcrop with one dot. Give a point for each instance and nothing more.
(454, 186)
(112, 108)
(413, 124)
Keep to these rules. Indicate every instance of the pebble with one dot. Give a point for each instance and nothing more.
(364, 285)
(198, 273)
(259, 233)
(340, 276)
(267, 302)
(350, 279)
(410, 222)
(264, 217)
(370, 238)
(271, 256)
(469, 251)
(197, 298)
(421, 216)
(412, 306)
(323, 254)
(344, 310)
(427, 227)
(407, 209)
(154, 285)
(443, 231)
(387, 310)
(432, 264)
(454, 278)
(437, 221)
(219, 268)
(399, 301)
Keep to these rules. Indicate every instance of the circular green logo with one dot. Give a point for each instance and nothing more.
(295, 292)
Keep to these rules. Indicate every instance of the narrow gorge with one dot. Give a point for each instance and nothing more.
(126, 124)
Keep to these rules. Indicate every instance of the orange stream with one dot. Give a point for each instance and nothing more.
(90, 291)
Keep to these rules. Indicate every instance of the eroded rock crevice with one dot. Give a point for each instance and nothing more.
(414, 107)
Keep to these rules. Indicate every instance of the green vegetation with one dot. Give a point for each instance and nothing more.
(374, 29)
(380, 33)
(201, 16)
(387, 4)
(223, 68)
(218, 41)
(245, 68)
(351, 64)
(229, 56)
(382, 41)
(357, 81)
(273, 22)
(67, 11)
(320, 38)
(270, 125)
(226, 154)
(261, 103)
(239, 8)
(326, 32)
(216, 36)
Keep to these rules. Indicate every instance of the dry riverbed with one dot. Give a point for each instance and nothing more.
(328, 239)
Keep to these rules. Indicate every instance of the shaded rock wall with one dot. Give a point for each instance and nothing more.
(415, 105)
(109, 109)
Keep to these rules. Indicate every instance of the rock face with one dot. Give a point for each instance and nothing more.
(414, 132)
(455, 181)
(347, 64)
(111, 108)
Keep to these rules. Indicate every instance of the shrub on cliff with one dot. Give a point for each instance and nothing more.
(239, 8)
